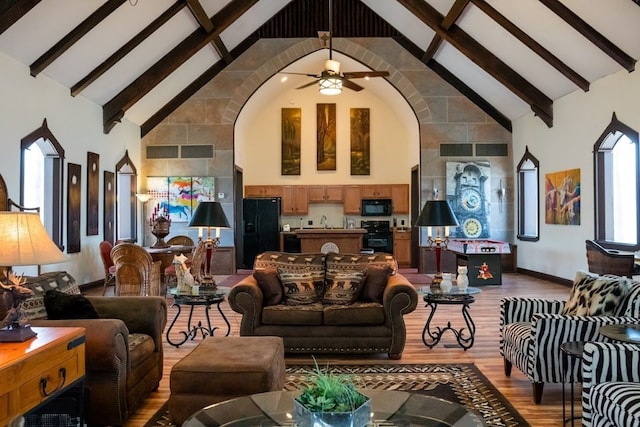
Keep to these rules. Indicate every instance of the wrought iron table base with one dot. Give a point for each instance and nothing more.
(192, 330)
(431, 337)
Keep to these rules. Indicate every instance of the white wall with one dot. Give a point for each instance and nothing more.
(77, 125)
(579, 120)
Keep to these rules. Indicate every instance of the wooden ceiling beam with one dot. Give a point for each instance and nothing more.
(76, 34)
(452, 16)
(541, 104)
(12, 10)
(590, 33)
(201, 16)
(114, 109)
(529, 42)
(127, 47)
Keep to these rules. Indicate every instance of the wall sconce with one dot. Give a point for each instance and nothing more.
(501, 193)
(435, 191)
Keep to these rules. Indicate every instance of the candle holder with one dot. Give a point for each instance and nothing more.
(160, 228)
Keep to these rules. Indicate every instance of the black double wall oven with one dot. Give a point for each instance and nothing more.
(378, 236)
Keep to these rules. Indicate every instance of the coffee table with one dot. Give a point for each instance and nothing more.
(624, 332)
(397, 408)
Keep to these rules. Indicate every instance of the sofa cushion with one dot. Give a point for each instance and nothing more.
(311, 262)
(594, 295)
(62, 306)
(33, 307)
(270, 285)
(358, 313)
(140, 347)
(308, 314)
(341, 263)
(300, 287)
(344, 288)
(375, 282)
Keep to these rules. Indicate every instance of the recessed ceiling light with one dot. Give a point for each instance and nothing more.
(283, 79)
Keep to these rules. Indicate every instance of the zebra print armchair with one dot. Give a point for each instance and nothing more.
(533, 329)
(610, 385)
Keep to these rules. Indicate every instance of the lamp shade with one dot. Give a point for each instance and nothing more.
(24, 241)
(209, 214)
(437, 213)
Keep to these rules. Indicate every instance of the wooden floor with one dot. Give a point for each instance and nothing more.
(485, 354)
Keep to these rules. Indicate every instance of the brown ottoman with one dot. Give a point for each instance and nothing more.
(221, 368)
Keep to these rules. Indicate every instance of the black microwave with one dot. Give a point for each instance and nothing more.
(376, 207)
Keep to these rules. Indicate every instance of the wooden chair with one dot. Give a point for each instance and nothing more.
(170, 271)
(136, 272)
(606, 261)
(107, 262)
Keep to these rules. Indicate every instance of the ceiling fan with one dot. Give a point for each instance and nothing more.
(330, 80)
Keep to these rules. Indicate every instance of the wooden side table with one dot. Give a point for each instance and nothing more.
(34, 372)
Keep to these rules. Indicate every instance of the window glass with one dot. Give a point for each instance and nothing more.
(528, 197)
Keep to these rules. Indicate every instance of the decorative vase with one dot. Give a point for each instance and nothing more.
(160, 229)
(359, 417)
(462, 280)
(446, 285)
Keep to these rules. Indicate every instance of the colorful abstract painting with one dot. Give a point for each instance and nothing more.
(562, 197)
(179, 195)
(360, 142)
(326, 137)
(291, 137)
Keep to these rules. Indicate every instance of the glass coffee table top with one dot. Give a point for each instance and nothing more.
(388, 408)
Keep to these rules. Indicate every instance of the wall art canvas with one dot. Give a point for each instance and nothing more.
(109, 226)
(468, 193)
(562, 197)
(93, 193)
(360, 142)
(179, 195)
(326, 137)
(74, 197)
(291, 137)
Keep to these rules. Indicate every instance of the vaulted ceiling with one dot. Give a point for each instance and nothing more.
(141, 59)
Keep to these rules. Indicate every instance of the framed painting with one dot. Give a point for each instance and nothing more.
(108, 226)
(326, 137)
(74, 196)
(93, 193)
(179, 201)
(179, 195)
(202, 188)
(291, 137)
(360, 142)
(562, 197)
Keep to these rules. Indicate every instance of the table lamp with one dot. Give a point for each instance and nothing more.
(208, 214)
(437, 214)
(24, 242)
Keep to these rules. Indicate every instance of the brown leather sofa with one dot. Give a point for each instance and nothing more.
(358, 328)
(123, 350)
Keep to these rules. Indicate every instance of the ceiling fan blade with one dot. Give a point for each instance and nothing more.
(307, 85)
(301, 74)
(351, 85)
(361, 74)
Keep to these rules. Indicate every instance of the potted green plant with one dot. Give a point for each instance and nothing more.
(331, 400)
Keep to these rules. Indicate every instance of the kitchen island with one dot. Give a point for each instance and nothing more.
(342, 240)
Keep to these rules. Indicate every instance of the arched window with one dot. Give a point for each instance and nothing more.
(528, 197)
(126, 187)
(617, 173)
(41, 173)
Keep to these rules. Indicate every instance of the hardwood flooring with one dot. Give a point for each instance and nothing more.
(484, 353)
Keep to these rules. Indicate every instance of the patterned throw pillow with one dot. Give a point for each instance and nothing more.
(269, 284)
(292, 263)
(299, 287)
(345, 288)
(593, 295)
(33, 307)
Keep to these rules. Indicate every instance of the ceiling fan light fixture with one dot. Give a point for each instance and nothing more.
(330, 85)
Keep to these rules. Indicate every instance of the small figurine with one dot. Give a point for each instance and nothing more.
(184, 276)
(484, 272)
(13, 294)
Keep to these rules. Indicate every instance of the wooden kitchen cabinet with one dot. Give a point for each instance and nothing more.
(400, 198)
(325, 194)
(262, 191)
(380, 191)
(402, 247)
(352, 196)
(295, 200)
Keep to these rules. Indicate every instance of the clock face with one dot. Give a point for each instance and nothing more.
(472, 228)
(470, 200)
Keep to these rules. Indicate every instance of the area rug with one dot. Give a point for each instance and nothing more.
(460, 383)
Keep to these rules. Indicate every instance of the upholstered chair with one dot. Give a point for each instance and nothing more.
(606, 261)
(107, 263)
(533, 329)
(610, 384)
(136, 272)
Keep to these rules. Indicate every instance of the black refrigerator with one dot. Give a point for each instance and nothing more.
(260, 227)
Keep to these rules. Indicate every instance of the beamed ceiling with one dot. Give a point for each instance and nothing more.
(141, 59)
